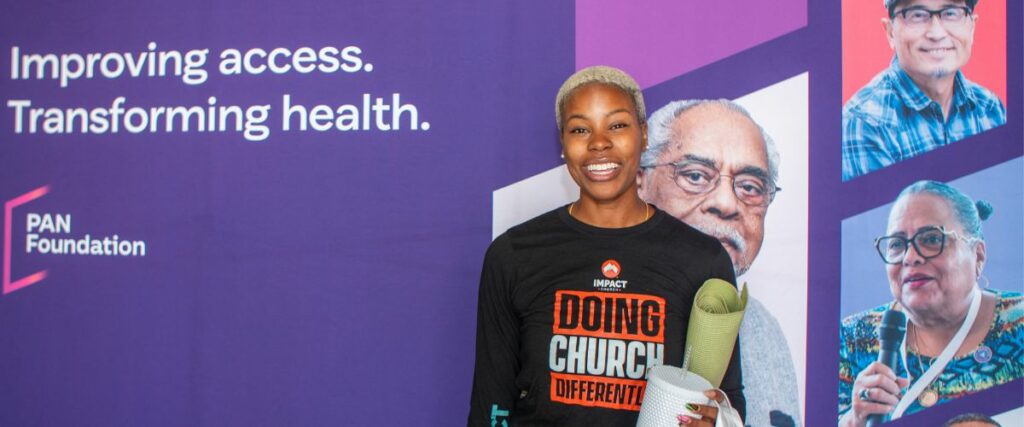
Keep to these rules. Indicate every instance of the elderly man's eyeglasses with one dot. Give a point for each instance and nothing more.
(697, 179)
(928, 242)
(917, 16)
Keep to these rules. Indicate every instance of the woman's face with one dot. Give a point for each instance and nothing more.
(602, 140)
(936, 286)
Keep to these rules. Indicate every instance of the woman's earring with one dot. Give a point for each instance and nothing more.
(981, 277)
(563, 156)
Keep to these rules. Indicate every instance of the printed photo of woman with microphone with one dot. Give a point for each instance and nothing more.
(959, 336)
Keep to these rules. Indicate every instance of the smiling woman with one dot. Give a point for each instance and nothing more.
(576, 304)
(603, 132)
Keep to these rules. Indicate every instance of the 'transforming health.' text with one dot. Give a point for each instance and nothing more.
(373, 113)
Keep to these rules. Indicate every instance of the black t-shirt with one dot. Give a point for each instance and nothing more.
(570, 316)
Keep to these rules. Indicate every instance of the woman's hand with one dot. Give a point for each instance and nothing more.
(708, 414)
(875, 391)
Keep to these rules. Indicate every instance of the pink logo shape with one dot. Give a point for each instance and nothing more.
(8, 214)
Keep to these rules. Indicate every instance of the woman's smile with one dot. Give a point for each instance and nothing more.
(602, 170)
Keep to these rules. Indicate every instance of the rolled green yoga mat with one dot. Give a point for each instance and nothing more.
(714, 325)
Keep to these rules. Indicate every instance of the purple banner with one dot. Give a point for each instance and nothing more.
(270, 213)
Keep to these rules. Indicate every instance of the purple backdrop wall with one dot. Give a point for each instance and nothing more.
(329, 277)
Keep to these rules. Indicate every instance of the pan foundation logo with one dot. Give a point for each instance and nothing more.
(51, 234)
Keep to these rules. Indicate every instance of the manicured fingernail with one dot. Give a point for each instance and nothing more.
(680, 417)
(684, 419)
(691, 407)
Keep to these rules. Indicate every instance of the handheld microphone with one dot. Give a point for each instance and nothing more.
(890, 336)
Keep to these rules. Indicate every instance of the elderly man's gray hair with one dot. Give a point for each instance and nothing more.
(599, 74)
(660, 132)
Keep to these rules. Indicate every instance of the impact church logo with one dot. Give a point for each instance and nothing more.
(51, 234)
(611, 269)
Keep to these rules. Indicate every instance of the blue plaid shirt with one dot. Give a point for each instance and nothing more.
(891, 119)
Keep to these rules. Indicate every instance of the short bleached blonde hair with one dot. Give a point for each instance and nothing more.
(603, 75)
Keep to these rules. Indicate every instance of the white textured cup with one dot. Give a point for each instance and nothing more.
(668, 391)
